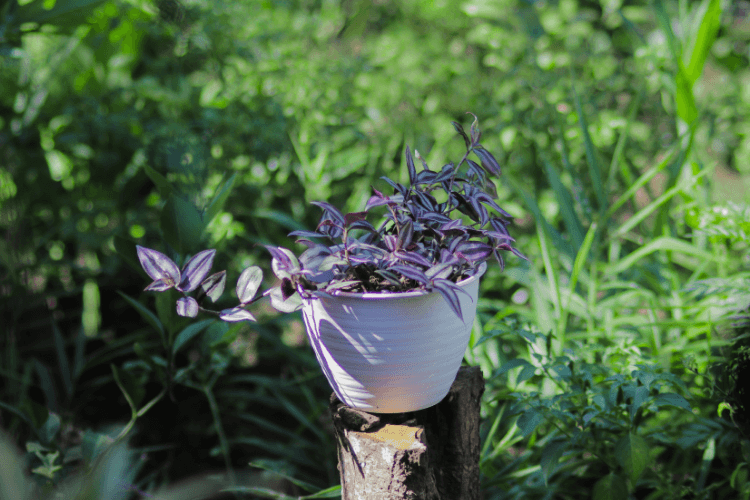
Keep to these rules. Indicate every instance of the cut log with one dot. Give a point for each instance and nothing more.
(431, 454)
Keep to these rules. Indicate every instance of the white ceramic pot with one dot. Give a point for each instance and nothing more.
(390, 352)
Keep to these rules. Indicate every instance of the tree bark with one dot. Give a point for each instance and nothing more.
(431, 454)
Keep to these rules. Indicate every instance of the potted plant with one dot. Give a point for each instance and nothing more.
(388, 307)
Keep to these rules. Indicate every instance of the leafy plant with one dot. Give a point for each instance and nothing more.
(421, 243)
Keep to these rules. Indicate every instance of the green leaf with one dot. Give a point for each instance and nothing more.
(161, 182)
(279, 219)
(119, 377)
(664, 243)
(672, 399)
(181, 224)
(126, 249)
(513, 363)
(550, 456)
(48, 387)
(50, 428)
(631, 452)
(684, 99)
(704, 39)
(332, 492)
(62, 360)
(528, 421)
(188, 333)
(610, 487)
(147, 315)
(35, 12)
(217, 204)
(270, 466)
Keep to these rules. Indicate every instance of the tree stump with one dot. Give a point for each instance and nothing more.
(431, 454)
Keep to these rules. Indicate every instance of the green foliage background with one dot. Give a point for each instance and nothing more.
(622, 130)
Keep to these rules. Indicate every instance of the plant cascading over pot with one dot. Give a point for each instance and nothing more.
(388, 305)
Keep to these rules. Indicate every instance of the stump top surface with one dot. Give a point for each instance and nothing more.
(397, 436)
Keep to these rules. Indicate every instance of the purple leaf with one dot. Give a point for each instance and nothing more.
(412, 257)
(487, 200)
(248, 284)
(330, 210)
(363, 224)
(236, 314)
(390, 242)
(405, 234)
(411, 273)
(313, 256)
(400, 189)
(489, 163)
(474, 251)
(158, 266)
(435, 217)
(376, 201)
(213, 286)
(158, 286)
(426, 177)
(449, 290)
(188, 307)
(410, 166)
(497, 236)
(196, 270)
(439, 271)
(307, 234)
(460, 130)
(353, 217)
(446, 173)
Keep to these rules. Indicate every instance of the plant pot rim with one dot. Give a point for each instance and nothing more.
(395, 295)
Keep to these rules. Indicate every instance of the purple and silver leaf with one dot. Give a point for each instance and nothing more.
(391, 242)
(364, 225)
(278, 302)
(474, 251)
(412, 257)
(188, 307)
(410, 272)
(449, 291)
(489, 163)
(158, 286)
(213, 286)
(158, 266)
(248, 284)
(330, 210)
(405, 234)
(196, 270)
(236, 314)
(439, 271)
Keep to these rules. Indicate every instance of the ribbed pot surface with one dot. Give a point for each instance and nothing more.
(391, 352)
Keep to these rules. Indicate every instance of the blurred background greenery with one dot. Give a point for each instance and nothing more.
(622, 129)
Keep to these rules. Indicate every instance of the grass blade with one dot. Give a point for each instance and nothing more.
(62, 360)
(591, 158)
(665, 243)
(567, 211)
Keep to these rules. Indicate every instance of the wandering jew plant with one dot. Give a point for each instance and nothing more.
(432, 234)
